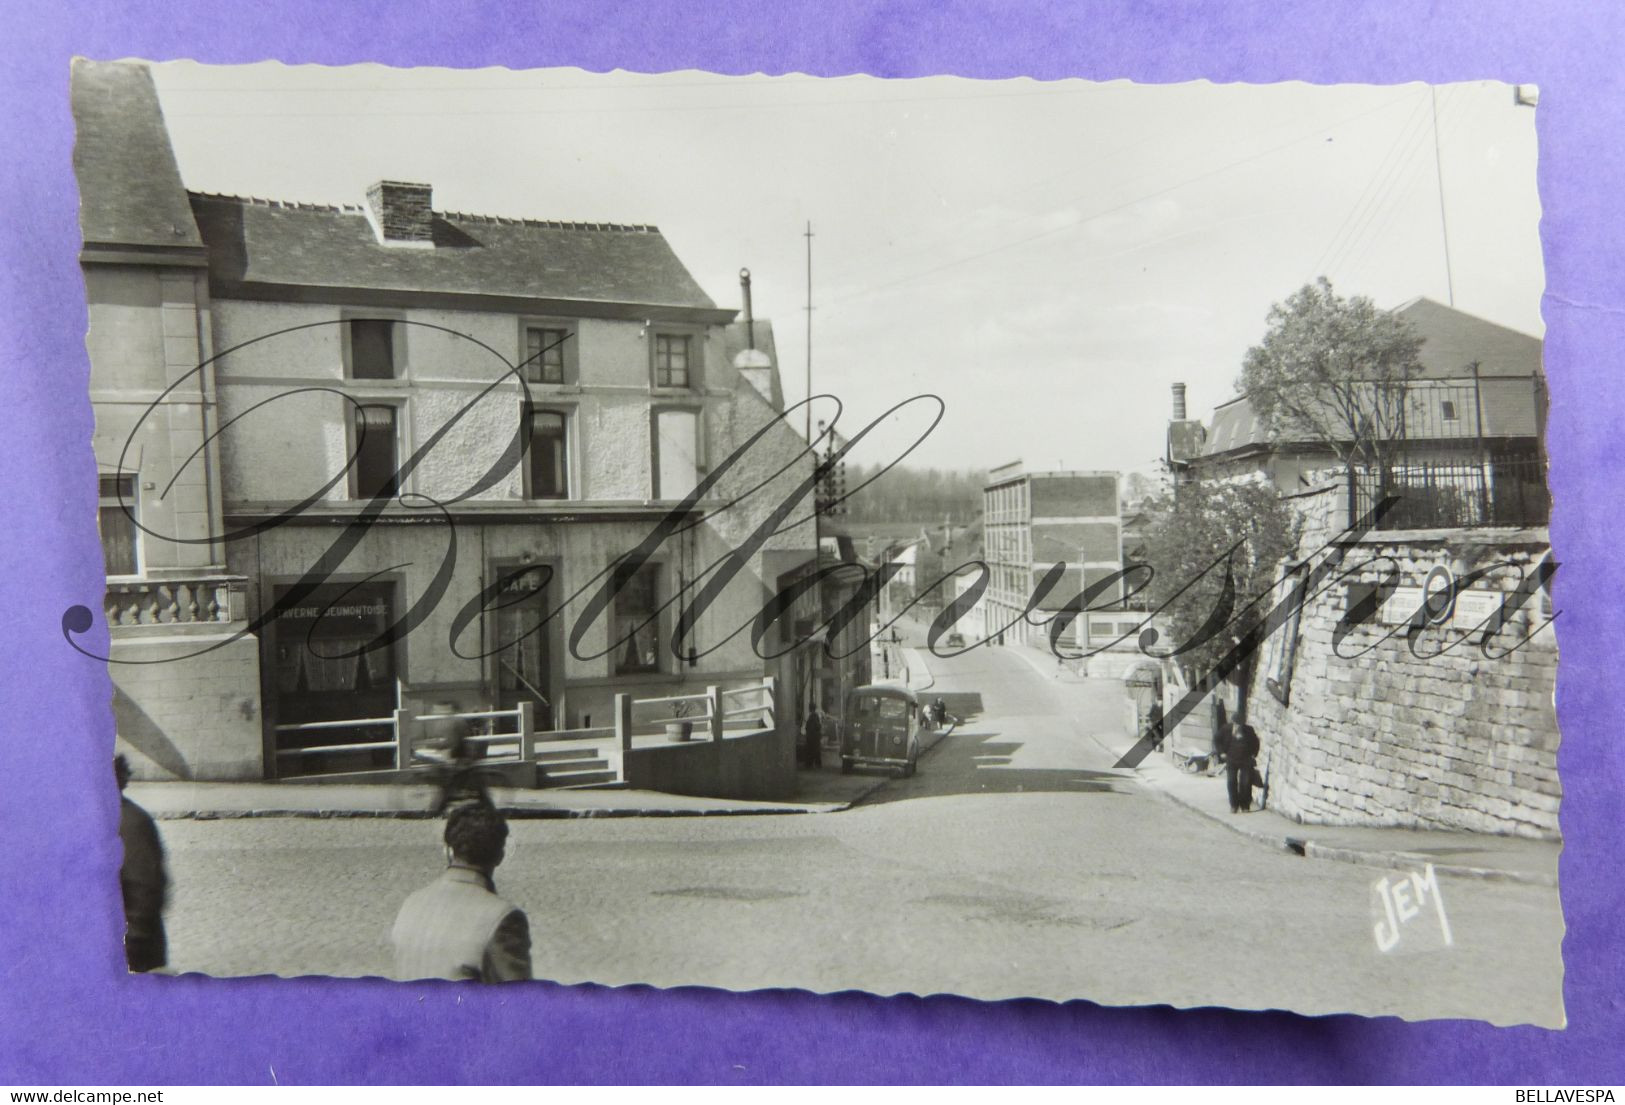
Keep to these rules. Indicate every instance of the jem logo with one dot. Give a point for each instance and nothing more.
(1401, 900)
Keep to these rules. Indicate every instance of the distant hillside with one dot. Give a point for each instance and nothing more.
(914, 495)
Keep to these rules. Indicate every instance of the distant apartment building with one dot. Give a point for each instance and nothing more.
(1032, 521)
(384, 362)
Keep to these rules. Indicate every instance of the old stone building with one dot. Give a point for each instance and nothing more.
(1468, 436)
(186, 676)
(439, 436)
(1435, 707)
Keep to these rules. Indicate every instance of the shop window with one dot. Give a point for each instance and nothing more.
(549, 468)
(372, 352)
(636, 631)
(377, 456)
(120, 537)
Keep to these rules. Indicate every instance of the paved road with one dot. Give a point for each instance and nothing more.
(1016, 863)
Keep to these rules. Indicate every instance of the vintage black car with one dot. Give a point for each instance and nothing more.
(882, 729)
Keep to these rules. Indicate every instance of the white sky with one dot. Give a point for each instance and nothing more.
(1047, 257)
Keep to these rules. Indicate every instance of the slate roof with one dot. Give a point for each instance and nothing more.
(268, 242)
(1455, 339)
(130, 190)
(1235, 426)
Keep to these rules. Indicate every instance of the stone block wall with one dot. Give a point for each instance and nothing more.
(190, 716)
(1396, 736)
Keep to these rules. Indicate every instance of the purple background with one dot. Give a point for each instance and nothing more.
(68, 1013)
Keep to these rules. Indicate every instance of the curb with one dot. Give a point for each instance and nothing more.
(1309, 848)
(1302, 846)
(512, 813)
(919, 655)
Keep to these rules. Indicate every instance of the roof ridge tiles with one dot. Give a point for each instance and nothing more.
(290, 205)
(461, 216)
(550, 224)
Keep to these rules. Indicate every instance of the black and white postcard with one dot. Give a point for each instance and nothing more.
(1061, 540)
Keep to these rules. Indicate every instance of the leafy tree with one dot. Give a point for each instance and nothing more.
(907, 494)
(1336, 371)
(1198, 530)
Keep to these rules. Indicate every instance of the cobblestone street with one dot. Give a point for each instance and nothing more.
(1016, 863)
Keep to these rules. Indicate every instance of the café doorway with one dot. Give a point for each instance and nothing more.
(521, 643)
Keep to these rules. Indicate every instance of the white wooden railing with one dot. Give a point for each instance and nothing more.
(514, 738)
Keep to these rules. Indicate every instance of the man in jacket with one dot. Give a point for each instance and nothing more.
(1240, 765)
(457, 927)
(143, 880)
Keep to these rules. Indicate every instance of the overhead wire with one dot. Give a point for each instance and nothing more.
(1401, 170)
(1448, 106)
(1401, 134)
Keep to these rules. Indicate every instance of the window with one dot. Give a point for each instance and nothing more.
(372, 349)
(636, 631)
(1447, 410)
(671, 360)
(549, 455)
(117, 527)
(544, 354)
(677, 453)
(376, 460)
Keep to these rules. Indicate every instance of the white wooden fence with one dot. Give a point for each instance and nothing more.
(514, 738)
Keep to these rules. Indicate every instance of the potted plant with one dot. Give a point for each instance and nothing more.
(680, 728)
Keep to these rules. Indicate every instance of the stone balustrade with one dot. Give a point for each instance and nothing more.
(199, 600)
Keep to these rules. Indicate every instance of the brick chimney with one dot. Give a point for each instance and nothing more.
(400, 212)
(1185, 436)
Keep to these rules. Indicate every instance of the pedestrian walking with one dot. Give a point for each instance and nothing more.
(1241, 761)
(1153, 726)
(454, 759)
(142, 879)
(457, 927)
(812, 738)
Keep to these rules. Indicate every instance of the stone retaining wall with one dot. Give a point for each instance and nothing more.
(1459, 740)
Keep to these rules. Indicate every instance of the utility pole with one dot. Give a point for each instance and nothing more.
(809, 236)
(1438, 172)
